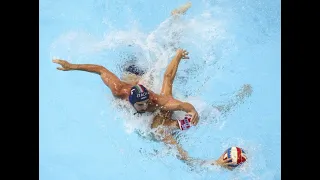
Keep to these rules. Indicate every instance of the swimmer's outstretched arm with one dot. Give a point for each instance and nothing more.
(111, 80)
(183, 155)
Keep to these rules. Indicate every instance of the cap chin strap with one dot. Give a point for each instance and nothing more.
(139, 112)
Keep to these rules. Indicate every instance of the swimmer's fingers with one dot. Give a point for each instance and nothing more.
(227, 160)
(61, 68)
(185, 57)
(230, 168)
(231, 163)
(65, 64)
(222, 155)
(185, 54)
(59, 61)
(226, 163)
(195, 121)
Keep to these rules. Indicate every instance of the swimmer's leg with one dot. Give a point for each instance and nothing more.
(242, 94)
(174, 34)
(181, 10)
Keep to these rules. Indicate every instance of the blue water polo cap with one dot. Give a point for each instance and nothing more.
(138, 93)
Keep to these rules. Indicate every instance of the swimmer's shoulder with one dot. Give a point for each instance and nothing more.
(124, 92)
(157, 99)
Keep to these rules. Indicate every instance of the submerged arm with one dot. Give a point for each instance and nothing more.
(183, 155)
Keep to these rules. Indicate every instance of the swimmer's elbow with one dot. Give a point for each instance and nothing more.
(117, 93)
(102, 70)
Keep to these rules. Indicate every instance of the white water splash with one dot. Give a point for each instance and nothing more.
(203, 36)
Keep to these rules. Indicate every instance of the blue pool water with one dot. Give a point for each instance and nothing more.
(85, 135)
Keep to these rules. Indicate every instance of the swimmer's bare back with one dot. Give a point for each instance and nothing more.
(118, 88)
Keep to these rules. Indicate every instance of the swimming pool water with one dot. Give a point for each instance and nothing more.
(83, 133)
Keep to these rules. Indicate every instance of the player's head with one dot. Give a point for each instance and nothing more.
(139, 98)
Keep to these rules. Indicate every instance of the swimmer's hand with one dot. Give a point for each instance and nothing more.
(66, 66)
(225, 163)
(195, 118)
(182, 54)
